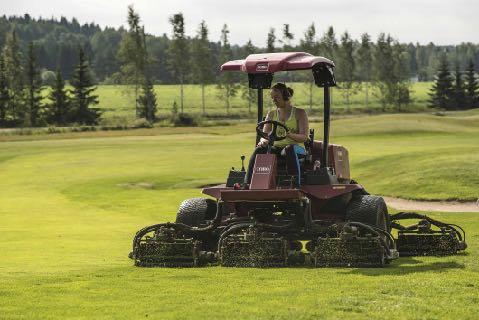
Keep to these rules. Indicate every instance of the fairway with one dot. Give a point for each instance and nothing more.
(71, 203)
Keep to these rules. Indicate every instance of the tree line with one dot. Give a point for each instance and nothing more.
(21, 100)
(86, 54)
(57, 40)
(457, 90)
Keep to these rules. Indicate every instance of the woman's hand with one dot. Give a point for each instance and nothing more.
(262, 143)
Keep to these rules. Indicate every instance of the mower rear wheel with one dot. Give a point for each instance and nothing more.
(195, 212)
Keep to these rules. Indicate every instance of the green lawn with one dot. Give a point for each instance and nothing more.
(70, 204)
(118, 101)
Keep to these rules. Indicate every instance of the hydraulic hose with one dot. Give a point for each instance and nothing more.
(377, 231)
(414, 215)
(177, 226)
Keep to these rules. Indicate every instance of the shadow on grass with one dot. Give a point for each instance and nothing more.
(405, 266)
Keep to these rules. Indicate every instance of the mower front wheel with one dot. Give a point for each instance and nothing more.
(368, 209)
(195, 212)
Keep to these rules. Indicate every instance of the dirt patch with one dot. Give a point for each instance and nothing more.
(137, 185)
(445, 206)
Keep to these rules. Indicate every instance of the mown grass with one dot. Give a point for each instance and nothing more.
(70, 204)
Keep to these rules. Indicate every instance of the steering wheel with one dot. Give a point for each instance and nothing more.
(272, 136)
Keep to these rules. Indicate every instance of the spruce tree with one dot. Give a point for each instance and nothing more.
(178, 53)
(459, 97)
(472, 86)
(147, 101)
(33, 97)
(14, 76)
(202, 68)
(147, 98)
(82, 92)
(4, 94)
(59, 108)
(442, 89)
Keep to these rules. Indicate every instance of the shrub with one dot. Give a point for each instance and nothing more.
(141, 123)
(114, 123)
(184, 120)
(53, 129)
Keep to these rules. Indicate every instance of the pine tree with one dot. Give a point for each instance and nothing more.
(472, 86)
(270, 41)
(365, 61)
(329, 45)
(147, 101)
(399, 88)
(287, 38)
(459, 89)
(4, 94)
(82, 92)
(178, 53)
(14, 76)
(383, 64)
(227, 83)
(346, 66)
(34, 89)
(442, 89)
(133, 55)
(308, 43)
(248, 94)
(202, 68)
(59, 108)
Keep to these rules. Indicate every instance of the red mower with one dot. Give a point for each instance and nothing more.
(328, 220)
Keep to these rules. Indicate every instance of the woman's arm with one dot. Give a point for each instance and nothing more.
(266, 128)
(303, 127)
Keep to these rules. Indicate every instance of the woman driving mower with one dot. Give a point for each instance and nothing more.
(296, 122)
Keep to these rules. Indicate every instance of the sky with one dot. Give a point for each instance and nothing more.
(440, 21)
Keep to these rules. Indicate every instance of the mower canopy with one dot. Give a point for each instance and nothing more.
(260, 67)
(275, 62)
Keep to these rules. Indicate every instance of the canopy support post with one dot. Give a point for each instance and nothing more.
(260, 109)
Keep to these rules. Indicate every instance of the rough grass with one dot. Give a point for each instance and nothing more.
(70, 204)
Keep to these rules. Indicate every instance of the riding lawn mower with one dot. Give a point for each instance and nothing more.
(327, 220)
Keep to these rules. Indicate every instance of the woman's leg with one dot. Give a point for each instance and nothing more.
(249, 174)
(291, 152)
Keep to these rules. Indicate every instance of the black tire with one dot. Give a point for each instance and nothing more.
(368, 209)
(196, 211)
(337, 204)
